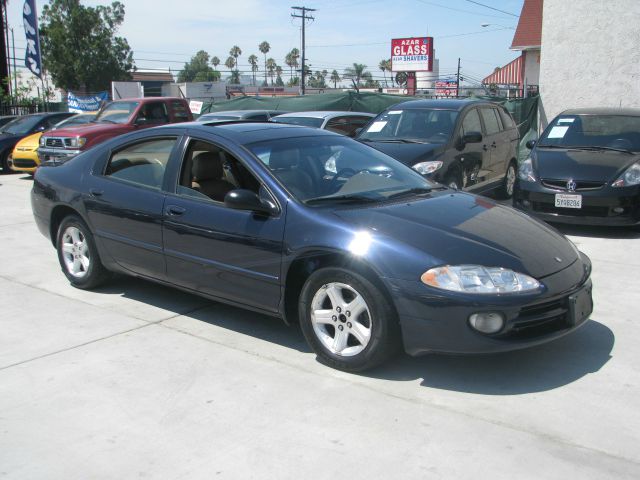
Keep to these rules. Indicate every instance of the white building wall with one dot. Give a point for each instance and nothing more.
(590, 55)
(428, 79)
(532, 67)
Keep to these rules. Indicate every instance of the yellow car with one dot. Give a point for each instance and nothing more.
(24, 157)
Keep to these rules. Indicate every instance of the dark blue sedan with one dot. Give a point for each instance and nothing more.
(315, 228)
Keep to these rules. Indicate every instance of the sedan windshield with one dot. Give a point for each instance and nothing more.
(116, 112)
(22, 125)
(328, 169)
(425, 125)
(615, 132)
(304, 121)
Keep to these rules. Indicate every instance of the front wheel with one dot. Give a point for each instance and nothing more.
(347, 320)
(78, 254)
(4, 162)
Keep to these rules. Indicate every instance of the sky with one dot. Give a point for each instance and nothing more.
(165, 35)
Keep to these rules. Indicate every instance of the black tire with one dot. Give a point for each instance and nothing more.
(88, 277)
(452, 179)
(384, 330)
(505, 191)
(4, 162)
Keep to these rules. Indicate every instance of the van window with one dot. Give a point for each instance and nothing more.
(491, 121)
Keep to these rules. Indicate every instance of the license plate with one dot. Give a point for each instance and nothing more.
(568, 201)
(580, 306)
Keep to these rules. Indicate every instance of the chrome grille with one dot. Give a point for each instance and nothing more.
(581, 185)
(54, 142)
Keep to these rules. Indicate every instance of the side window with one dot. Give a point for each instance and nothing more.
(339, 125)
(209, 172)
(179, 111)
(490, 120)
(507, 119)
(154, 113)
(471, 122)
(143, 163)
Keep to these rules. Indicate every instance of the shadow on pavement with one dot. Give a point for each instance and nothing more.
(536, 369)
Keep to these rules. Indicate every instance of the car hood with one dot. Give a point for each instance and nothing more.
(90, 129)
(30, 142)
(408, 153)
(583, 165)
(461, 228)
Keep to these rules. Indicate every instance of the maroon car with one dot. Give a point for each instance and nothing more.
(116, 118)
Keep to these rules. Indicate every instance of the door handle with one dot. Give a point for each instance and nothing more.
(175, 210)
(95, 192)
(493, 145)
(485, 148)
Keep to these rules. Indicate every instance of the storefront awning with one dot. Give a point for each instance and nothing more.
(510, 74)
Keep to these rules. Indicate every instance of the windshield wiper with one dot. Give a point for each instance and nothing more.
(349, 198)
(598, 147)
(410, 191)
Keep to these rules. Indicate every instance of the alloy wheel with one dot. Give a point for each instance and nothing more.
(341, 319)
(75, 252)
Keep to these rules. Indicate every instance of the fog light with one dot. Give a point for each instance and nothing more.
(487, 322)
(526, 203)
(618, 210)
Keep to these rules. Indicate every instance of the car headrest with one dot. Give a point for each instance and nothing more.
(284, 158)
(206, 166)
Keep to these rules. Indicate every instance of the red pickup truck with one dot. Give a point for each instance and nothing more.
(116, 118)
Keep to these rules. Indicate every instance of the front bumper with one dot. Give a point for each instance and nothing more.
(56, 155)
(605, 206)
(438, 322)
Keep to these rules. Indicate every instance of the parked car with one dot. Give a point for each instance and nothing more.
(585, 169)
(465, 144)
(346, 123)
(364, 259)
(20, 127)
(24, 157)
(4, 119)
(243, 115)
(116, 118)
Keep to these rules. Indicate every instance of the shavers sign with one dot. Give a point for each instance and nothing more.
(412, 54)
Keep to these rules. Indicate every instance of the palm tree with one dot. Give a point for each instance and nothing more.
(356, 73)
(335, 78)
(292, 59)
(383, 66)
(253, 60)
(270, 66)
(215, 61)
(235, 52)
(264, 47)
(230, 63)
(279, 81)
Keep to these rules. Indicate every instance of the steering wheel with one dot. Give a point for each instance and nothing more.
(340, 173)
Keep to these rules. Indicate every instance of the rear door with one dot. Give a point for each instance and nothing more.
(125, 203)
(475, 158)
(495, 142)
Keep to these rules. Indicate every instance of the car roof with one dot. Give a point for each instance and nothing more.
(146, 99)
(629, 112)
(445, 103)
(325, 114)
(239, 113)
(249, 132)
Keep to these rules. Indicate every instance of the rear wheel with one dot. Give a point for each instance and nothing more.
(4, 161)
(78, 255)
(508, 184)
(347, 320)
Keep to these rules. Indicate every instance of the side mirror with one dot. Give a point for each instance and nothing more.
(472, 137)
(530, 144)
(242, 199)
(141, 121)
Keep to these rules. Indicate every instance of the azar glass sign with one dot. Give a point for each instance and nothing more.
(412, 54)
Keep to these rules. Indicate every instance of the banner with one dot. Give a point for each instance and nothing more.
(32, 59)
(86, 103)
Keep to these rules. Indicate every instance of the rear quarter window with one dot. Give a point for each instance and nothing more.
(180, 112)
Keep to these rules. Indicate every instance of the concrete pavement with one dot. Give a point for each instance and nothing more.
(136, 380)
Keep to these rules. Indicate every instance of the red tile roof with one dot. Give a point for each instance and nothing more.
(529, 31)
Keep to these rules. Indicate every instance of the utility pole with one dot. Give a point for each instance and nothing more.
(304, 18)
(15, 70)
(458, 80)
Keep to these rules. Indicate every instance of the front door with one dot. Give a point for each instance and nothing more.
(210, 248)
(474, 157)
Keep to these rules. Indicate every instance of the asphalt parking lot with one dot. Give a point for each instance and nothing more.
(135, 380)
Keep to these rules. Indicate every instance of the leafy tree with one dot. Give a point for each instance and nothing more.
(253, 61)
(264, 47)
(80, 48)
(293, 82)
(335, 78)
(198, 70)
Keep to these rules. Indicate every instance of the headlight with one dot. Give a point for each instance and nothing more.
(75, 142)
(425, 168)
(525, 171)
(630, 177)
(478, 279)
(42, 140)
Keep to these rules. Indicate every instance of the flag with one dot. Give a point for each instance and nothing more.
(32, 59)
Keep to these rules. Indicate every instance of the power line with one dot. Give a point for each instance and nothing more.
(460, 10)
(492, 8)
